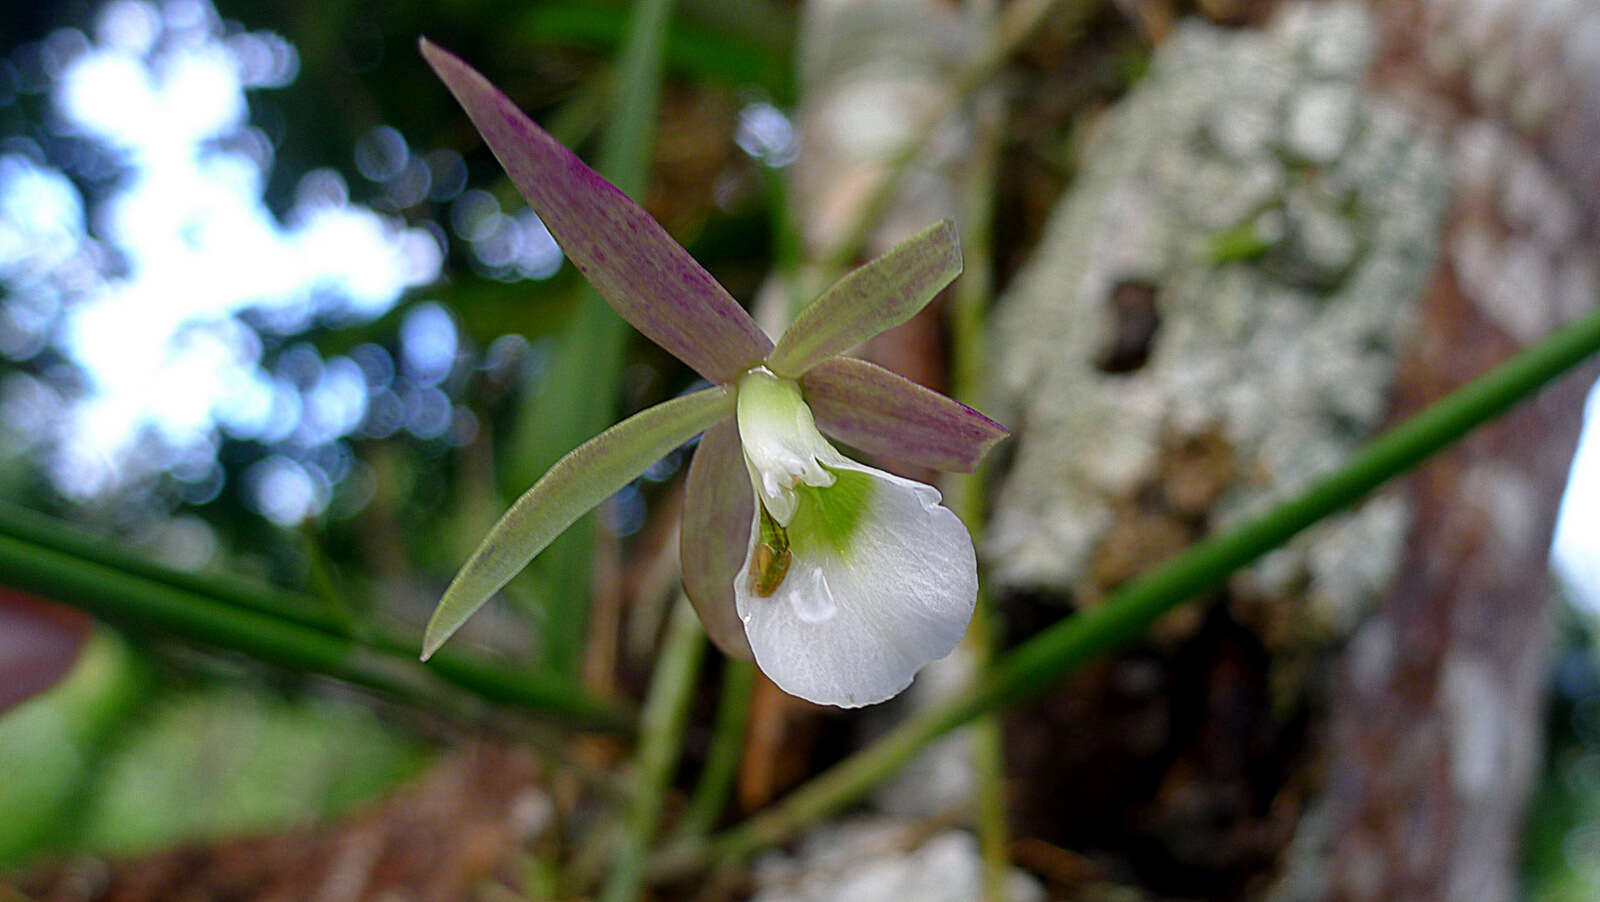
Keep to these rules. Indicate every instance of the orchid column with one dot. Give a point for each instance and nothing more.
(841, 580)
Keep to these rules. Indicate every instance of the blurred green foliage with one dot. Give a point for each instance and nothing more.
(54, 743)
(1561, 843)
(223, 760)
(117, 763)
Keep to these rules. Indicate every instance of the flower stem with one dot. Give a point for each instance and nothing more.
(722, 758)
(660, 731)
(968, 310)
(987, 738)
(1044, 660)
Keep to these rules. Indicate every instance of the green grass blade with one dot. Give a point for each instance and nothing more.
(666, 710)
(145, 602)
(735, 51)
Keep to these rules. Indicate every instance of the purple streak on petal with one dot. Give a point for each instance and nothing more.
(865, 405)
(718, 508)
(629, 258)
(884, 293)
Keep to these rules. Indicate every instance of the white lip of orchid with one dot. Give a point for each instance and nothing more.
(881, 579)
(782, 447)
(877, 577)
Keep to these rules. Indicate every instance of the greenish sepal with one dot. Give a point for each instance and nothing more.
(579, 481)
(882, 294)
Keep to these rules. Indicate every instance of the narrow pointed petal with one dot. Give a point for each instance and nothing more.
(629, 258)
(717, 511)
(879, 585)
(587, 476)
(885, 292)
(871, 408)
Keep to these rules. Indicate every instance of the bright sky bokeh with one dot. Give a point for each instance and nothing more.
(147, 290)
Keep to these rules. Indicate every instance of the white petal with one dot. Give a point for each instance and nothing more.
(852, 626)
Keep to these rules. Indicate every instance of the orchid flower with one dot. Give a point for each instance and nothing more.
(841, 580)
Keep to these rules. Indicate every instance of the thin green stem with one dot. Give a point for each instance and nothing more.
(320, 583)
(32, 526)
(1044, 660)
(722, 758)
(786, 240)
(968, 310)
(987, 744)
(276, 627)
(736, 49)
(660, 733)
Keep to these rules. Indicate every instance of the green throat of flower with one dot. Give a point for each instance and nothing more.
(826, 519)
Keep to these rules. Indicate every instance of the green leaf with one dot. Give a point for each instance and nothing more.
(248, 618)
(577, 482)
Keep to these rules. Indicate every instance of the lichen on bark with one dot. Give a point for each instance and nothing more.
(1237, 262)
